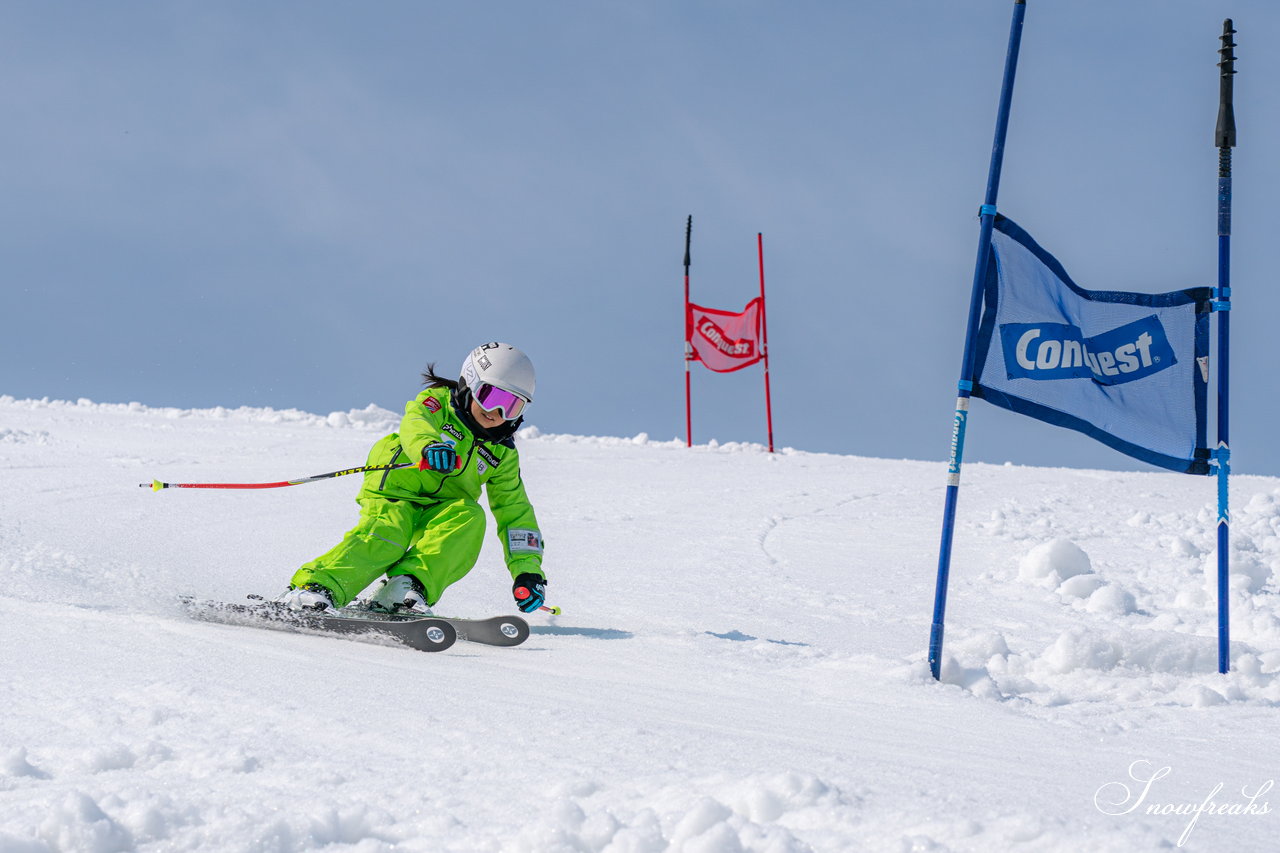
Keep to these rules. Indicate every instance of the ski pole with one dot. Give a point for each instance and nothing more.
(554, 611)
(156, 485)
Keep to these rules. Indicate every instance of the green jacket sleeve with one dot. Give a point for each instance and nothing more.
(517, 525)
(420, 425)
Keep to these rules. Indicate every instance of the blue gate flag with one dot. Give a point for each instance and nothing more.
(1128, 369)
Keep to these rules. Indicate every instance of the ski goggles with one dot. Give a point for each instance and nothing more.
(492, 398)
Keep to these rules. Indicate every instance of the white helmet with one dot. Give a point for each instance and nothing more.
(500, 365)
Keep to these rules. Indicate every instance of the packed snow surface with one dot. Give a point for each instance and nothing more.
(740, 664)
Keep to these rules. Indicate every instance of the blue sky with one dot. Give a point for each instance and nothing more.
(301, 204)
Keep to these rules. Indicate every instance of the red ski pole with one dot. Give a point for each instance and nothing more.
(156, 485)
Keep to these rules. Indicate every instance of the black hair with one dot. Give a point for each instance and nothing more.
(431, 379)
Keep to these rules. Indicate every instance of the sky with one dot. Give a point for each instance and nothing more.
(301, 205)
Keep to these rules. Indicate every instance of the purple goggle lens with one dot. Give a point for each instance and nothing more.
(492, 398)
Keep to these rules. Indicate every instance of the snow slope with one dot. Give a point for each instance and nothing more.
(739, 666)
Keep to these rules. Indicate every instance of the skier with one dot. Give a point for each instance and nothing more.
(422, 525)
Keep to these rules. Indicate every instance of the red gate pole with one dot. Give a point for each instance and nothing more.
(764, 341)
(688, 340)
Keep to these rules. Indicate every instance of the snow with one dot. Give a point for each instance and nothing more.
(740, 665)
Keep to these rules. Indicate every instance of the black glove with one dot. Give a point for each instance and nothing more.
(439, 457)
(529, 591)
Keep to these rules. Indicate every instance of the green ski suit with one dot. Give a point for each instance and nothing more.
(427, 523)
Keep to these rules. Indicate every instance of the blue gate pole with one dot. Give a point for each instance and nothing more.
(988, 216)
(1225, 137)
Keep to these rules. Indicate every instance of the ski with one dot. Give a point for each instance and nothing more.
(493, 631)
(490, 631)
(424, 633)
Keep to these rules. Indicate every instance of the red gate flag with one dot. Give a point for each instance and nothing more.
(722, 340)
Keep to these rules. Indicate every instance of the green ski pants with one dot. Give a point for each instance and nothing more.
(437, 544)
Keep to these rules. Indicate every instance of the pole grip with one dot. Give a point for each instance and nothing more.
(1225, 134)
(688, 238)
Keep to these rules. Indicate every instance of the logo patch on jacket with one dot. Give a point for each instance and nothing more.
(453, 431)
(487, 456)
(432, 404)
(529, 541)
